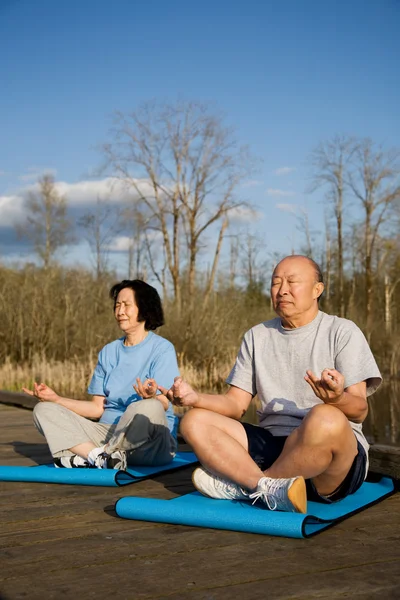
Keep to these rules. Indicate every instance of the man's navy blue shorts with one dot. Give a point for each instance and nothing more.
(264, 449)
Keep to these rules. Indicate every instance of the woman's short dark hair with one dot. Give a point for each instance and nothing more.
(147, 300)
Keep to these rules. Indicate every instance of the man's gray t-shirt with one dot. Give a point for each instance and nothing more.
(273, 361)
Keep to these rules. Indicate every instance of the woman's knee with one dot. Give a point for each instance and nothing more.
(42, 409)
(150, 407)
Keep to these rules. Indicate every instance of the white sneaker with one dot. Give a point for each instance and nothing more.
(104, 460)
(215, 487)
(282, 494)
(71, 462)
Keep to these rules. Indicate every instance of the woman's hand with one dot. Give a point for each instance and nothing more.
(146, 390)
(43, 392)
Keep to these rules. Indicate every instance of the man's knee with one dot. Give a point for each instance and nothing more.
(326, 422)
(191, 421)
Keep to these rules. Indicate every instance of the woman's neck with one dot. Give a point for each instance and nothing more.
(134, 338)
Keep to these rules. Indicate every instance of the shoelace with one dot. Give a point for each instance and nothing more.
(231, 487)
(276, 492)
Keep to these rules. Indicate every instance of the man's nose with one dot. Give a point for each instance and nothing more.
(283, 288)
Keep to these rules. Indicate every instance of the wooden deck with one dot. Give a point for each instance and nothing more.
(61, 541)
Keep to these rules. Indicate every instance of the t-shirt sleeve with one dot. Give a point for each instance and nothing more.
(243, 372)
(96, 385)
(164, 368)
(355, 360)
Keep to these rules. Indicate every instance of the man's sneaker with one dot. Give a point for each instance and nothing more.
(71, 462)
(115, 460)
(282, 494)
(215, 487)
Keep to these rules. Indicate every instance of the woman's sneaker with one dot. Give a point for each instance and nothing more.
(289, 495)
(216, 487)
(116, 460)
(71, 462)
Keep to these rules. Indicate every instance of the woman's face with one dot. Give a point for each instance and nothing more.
(126, 311)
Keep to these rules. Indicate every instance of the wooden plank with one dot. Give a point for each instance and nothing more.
(385, 460)
(17, 399)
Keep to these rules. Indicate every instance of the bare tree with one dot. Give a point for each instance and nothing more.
(375, 183)
(328, 264)
(101, 226)
(47, 225)
(330, 161)
(184, 168)
(304, 226)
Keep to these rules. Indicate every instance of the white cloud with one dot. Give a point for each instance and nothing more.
(277, 192)
(244, 213)
(82, 193)
(251, 183)
(11, 210)
(284, 170)
(290, 208)
(123, 243)
(109, 189)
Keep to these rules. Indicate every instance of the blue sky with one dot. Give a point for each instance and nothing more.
(286, 74)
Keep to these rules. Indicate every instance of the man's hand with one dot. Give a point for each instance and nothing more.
(181, 393)
(146, 390)
(329, 388)
(43, 392)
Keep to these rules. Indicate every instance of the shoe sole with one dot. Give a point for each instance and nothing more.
(297, 495)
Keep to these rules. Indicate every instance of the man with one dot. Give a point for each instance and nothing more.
(312, 373)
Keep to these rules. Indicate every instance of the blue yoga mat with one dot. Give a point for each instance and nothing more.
(200, 511)
(99, 477)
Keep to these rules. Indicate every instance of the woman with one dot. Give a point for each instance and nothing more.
(135, 425)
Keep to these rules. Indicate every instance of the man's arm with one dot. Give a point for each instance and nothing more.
(233, 403)
(352, 401)
(91, 409)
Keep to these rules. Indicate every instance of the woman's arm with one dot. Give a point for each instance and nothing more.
(91, 409)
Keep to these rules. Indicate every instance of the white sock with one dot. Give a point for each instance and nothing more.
(93, 454)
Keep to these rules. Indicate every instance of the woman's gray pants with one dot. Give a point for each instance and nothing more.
(142, 432)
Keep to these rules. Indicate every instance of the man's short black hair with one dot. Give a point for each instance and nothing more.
(147, 300)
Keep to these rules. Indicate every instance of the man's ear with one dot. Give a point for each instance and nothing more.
(319, 288)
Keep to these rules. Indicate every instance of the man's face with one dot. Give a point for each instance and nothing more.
(294, 289)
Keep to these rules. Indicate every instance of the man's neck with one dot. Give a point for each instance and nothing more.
(300, 320)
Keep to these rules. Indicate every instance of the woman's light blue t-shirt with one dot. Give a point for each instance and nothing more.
(119, 365)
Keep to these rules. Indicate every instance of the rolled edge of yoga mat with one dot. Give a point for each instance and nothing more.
(197, 511)
(49, 474)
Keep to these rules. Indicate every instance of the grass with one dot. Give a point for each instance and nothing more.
(71, 378)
